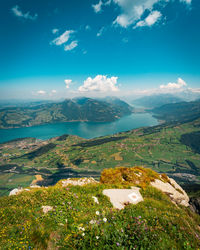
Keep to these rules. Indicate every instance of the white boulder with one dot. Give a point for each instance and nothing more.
(120, 197)
(173, 190)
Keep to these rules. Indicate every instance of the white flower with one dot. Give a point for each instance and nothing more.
(83, 234)
(81, 228)
(97, 237)
(95, 199)
(92, 221)
(46, 209)
(104, 219)
(66, 220)
(97, 213)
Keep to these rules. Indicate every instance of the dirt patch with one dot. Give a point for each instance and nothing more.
(38, 179)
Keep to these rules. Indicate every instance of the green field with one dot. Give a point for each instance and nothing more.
(162, 148)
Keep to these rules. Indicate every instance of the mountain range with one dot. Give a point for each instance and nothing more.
(182, 111)
(77, 109)
(158, 100)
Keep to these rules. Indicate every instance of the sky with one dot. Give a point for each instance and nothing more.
(52, 49)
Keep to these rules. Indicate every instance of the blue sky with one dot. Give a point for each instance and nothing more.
(60, 48)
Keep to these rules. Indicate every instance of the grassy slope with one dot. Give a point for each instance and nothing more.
(155, 223)
(158, 147)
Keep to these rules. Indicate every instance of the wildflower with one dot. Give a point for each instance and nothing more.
(92, 221)
(97, 213)
(97, 237)
(81, 228)
(104, 219)
(117, 244)
(95, 199)
(83, 234)
(46, 209)
(66, 220)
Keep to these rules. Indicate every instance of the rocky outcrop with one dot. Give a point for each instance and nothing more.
(173, 190)
(195, 204)
(79, 181)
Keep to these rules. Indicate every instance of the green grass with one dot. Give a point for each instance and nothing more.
(74, 222)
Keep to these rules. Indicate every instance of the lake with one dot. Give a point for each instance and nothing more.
(83, 129)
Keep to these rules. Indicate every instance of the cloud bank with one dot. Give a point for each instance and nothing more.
(174, 85)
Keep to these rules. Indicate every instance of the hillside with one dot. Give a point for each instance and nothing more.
(183, 111)
(77, 109)
(158, 100)
(165, 148)
(78, 214)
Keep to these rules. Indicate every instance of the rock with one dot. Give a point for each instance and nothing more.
(173, 190)
(17, 191)
(120, 197)
(35, 186)
(46, 209)
(79, 182)
(195, 204)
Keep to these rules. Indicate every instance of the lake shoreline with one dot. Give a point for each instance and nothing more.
(84, 129)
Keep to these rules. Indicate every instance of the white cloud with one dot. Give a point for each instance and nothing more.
(150, 20)
(63, 38)
(174, 85)
(71, 46)
(186, 1)
(54, 31)
(100, 31)
(108, 2)
(100, 83)
(68, 82)
(97, 7)
(17, 12)
(132, 11)
(53, 91)
(41, 92)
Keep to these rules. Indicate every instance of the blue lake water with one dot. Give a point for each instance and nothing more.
(83, 129)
